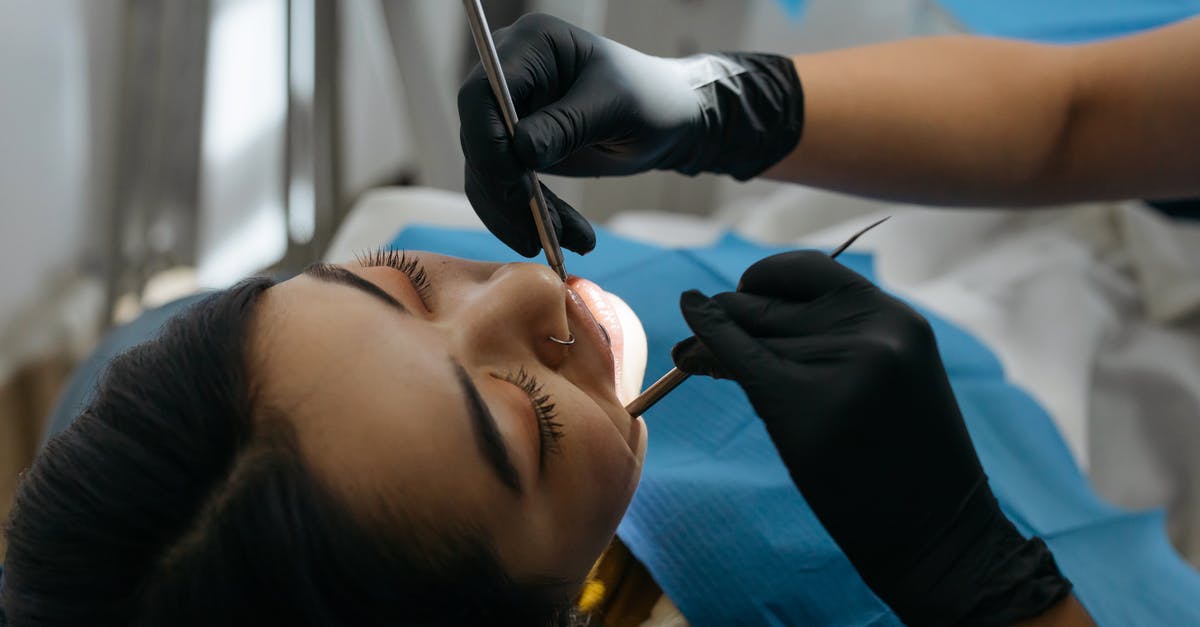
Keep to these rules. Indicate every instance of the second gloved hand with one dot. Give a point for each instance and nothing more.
(851, 388)
(589, 106)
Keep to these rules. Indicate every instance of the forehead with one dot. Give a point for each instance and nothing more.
(372, 394)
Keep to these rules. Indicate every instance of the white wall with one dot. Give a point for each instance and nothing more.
(377, 140)
(243, 224)
(57, 62)
(43, 165)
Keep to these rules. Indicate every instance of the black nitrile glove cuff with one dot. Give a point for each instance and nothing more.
(752, 118)
(979, 572)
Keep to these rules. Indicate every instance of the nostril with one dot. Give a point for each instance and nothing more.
(554, 350)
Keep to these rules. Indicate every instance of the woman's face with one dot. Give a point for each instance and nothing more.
(428, 385)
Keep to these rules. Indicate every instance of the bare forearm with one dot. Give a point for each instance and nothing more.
(914, 120)
(975, 121)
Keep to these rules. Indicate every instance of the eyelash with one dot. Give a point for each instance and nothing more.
(399, 260)
(549, 428)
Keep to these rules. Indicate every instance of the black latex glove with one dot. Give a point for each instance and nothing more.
(851, 388)
(588, 106)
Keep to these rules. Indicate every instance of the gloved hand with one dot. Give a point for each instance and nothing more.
(853, 393)
(588, 106)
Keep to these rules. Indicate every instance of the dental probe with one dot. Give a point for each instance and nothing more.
(495, 74)
(675, 376)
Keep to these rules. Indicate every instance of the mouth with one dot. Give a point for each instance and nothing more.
(603, 318)
(606, 329)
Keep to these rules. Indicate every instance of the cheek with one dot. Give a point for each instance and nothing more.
(597, 473)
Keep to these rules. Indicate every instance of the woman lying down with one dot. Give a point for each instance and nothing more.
(420, 439)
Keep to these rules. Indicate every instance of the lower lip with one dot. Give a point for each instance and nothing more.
(604, 313)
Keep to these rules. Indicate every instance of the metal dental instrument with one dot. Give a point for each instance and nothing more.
(656, 392)
(495, 74)
(675, 376)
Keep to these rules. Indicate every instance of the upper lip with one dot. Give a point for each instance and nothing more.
(578, 309)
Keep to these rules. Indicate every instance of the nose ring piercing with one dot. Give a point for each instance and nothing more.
(567, 342)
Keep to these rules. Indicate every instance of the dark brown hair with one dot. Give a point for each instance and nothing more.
(167, 503)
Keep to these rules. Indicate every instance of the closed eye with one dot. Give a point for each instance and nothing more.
(400, 260)
(549, 429)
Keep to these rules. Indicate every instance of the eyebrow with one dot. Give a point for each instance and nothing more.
(337, 274)
(487, 435)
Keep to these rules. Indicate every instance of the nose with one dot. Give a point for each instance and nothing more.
(513, 314)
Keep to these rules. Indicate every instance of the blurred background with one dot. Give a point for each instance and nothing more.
(150, 148)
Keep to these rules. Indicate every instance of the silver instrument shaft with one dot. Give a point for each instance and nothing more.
(495, 74)
(675, 376)
(656, 392)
